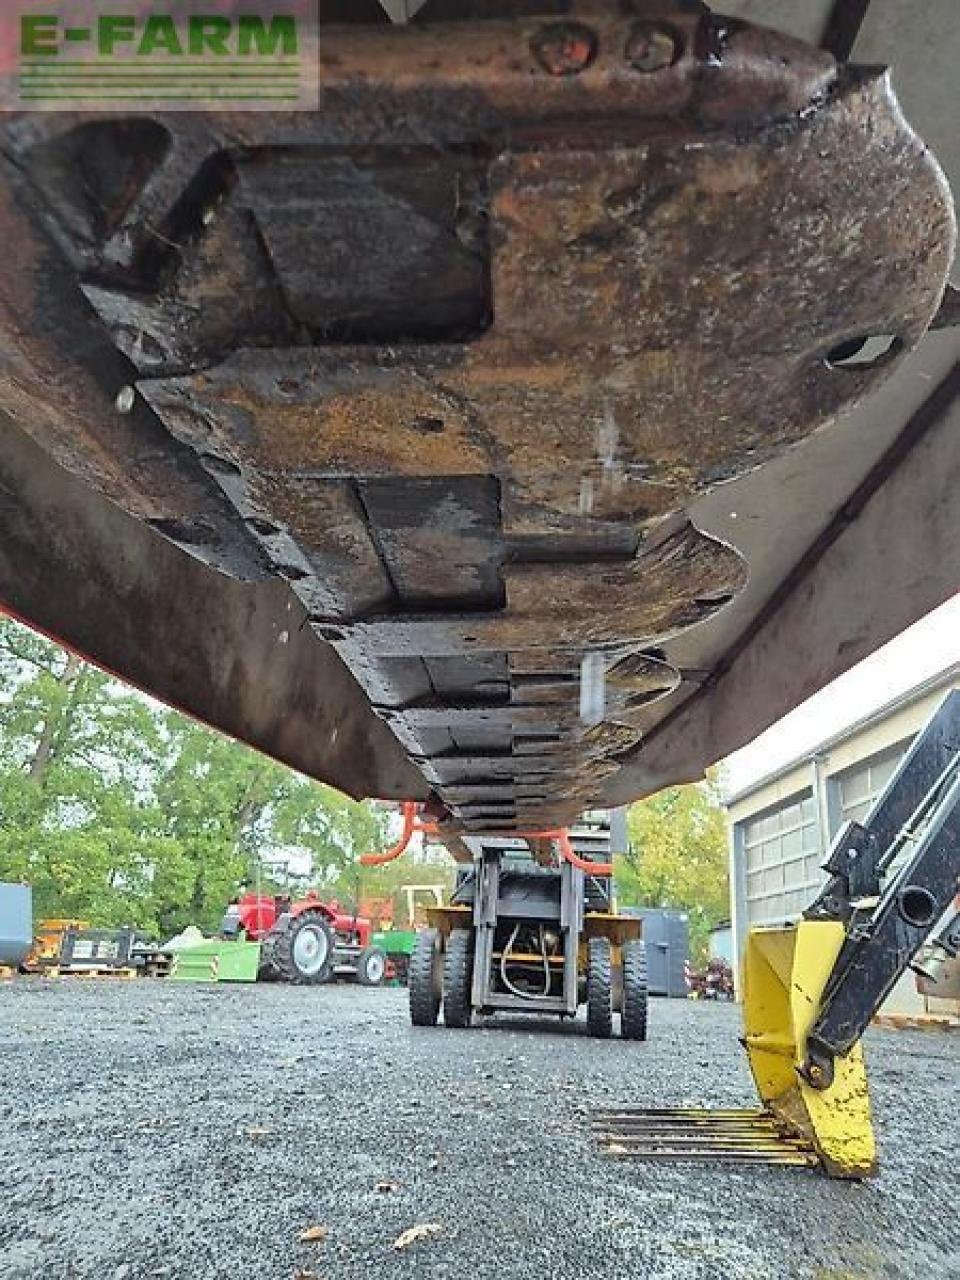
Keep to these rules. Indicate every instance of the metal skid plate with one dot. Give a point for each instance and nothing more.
(453, 356)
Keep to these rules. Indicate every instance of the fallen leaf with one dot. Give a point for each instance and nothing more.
(422, 1231)
(313, 1235)
(386, 1186)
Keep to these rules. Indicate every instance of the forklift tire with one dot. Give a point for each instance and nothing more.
(371, 967)
(458, 979)
(426, 979)
(301, 949)
(633, 1014)
(599, 989)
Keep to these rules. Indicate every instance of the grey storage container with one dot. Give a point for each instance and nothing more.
(667, 935)
(16, 923)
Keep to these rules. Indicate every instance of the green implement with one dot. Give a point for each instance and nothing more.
(398, 945)
(217, 961)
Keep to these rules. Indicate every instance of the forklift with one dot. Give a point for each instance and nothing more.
(532, 927)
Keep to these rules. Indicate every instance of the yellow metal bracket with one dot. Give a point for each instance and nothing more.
(785, 973)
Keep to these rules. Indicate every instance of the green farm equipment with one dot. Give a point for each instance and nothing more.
(399, 943)
(217, 960)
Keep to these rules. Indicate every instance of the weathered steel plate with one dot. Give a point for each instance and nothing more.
(456, 356)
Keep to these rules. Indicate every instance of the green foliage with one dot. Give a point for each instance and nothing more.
(122, 812)
(678, 857)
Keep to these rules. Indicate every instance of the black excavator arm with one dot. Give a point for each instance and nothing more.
(893, 880)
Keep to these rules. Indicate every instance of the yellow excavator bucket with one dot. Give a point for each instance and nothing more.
(785, 972)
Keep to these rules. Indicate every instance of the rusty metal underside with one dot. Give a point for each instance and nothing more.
(429, 383)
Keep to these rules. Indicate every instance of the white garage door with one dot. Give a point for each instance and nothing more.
(782, 858)
(861, 785)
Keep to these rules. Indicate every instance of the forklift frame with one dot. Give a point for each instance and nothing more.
(561, 899)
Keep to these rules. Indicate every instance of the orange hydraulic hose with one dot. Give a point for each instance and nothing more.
(562, 837)
(591, 868)
(410, 827)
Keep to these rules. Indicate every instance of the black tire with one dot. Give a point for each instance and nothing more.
(371, 967)
(633, 1015)
(291, 951)
(426, 979)
(458, 979)
(599, 989)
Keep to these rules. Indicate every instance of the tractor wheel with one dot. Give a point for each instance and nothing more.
(633, 1015)
(302, 951)
(599, 989)
(371, 967)
(458, 979)
(426, 979)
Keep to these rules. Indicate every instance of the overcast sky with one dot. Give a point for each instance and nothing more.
(921, 651)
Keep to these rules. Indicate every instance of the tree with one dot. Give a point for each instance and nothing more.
(73, 820)
(678, 857)
(118, 811)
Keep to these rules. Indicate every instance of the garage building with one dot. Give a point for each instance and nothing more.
(781, 826)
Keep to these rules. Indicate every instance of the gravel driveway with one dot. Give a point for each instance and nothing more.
(159, 1131)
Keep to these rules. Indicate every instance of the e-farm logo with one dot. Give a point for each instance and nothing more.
(188, 56)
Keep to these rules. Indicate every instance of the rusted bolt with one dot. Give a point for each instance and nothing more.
(652, 46)
(564, 48)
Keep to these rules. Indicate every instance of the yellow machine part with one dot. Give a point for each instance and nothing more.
(46, 942)
(785, 972)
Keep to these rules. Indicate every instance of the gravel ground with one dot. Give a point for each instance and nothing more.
(155, 1131)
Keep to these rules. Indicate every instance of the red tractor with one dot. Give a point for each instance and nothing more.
(307, 941)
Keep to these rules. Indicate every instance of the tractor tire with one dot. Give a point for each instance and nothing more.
(599, 989)
(371, 967)
(301, 949)
(633, 1014)
(458, 979)
(426, 979)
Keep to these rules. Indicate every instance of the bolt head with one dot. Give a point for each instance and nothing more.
(564, 48)
(652, 47)
(126, 399)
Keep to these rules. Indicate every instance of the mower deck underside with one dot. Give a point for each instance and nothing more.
(442, 372)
